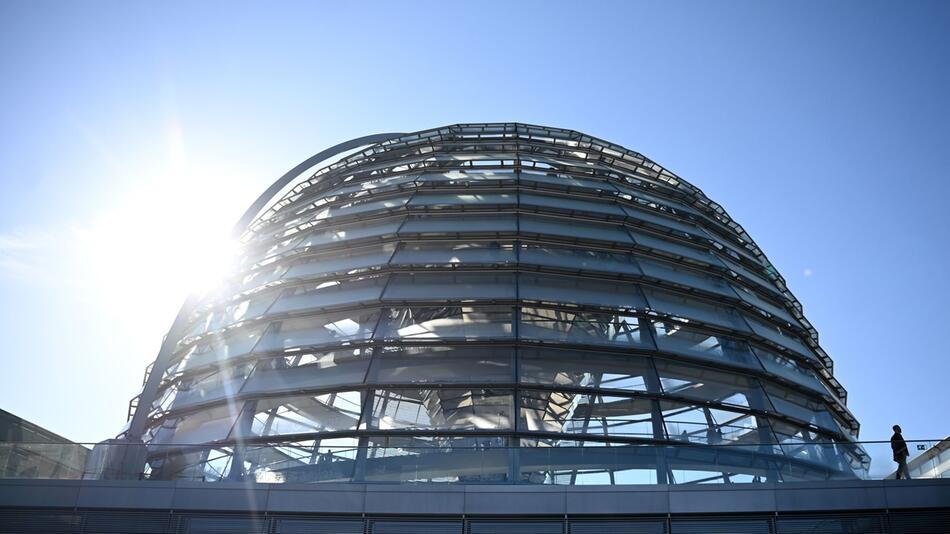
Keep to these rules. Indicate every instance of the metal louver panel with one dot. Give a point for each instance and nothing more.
(515, 527)
(318, 526)
(830, 524)
(633, 526)
(39, 521)
(127, 523)
(721, 526)
(416, 527)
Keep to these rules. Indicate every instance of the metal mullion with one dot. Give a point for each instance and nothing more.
(514, 457)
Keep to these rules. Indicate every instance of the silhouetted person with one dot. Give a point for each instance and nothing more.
(899, 446)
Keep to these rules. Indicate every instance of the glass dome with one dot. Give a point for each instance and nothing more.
(498, 303)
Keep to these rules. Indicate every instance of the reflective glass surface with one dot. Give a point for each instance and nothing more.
(678, 338)
(445, 322)
(441, 409)
(441, 365)
(586, 413)
(454, 253)
(571, 368)
(578, 327)
(413, 309)
(318, 330)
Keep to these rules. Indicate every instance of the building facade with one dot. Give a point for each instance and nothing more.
(495, 304)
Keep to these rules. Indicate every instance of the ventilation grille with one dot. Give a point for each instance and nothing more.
(516, 527)
(223, 525)
(830, 524)
(51, 521)
(39, 521)
(416, 527)
(721, 526)
(919, 522)
(127, 523)
(657, 526)
(317, 526)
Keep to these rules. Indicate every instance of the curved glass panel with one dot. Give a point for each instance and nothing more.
(218, 347)
(445, 322)
(557, 203)
(309, 370)
(688, 341)
(574, 290)
(571, 368)
(586, 413)
(207, 385)
(441, 365)
(789, 369)
(563, 181)
(705, 384)
(574, 229)
(441, 409)
(689, 307)
(579, 327)
(701, 423)
(665, 222)
(210, 424)
(578, 259)
(460, 223)
(684, 276)
(763, 304)
(492, 178)
(454, 253)
(229, 314)
(330, 293)
(450, 286)
(343, 261)
(386, 182)
(674, 248)
(318, 330)
(443, 200)
(348, 209)
(795, 404)
(306, 414)
(351, 232)
(780, 336)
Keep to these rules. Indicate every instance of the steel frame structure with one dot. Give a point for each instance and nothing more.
(495, 286)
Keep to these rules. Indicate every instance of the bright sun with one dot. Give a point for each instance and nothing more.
(168, 237)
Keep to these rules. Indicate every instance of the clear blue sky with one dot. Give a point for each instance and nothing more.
(130, 132)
